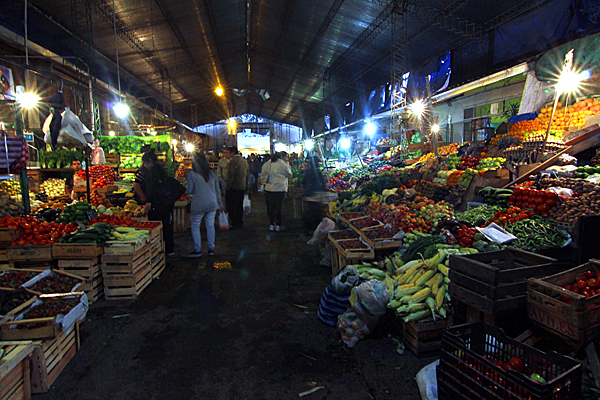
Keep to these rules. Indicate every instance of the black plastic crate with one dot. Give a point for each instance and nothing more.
(467, 369)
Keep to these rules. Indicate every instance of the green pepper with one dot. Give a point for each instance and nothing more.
(537, 378)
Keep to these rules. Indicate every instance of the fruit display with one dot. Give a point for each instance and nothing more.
(98, 199)
(49, 307)
(9, 206)
(14, 279)
(98, 233)
(130, 206)
(55, 283)
(134, 161)
(454, 178)
(344, 234)
(337, 184)
(36, 232)
(453, 161)
(75, 212)
(182, 171)
(365, 223)
(11, 187)
(100, 171)
(426, 157)
(128, 177)
(48, 214)
(584, 172)
(380, 233)
(478, 215)
(386, 141)
(399, 217)
(577, 185)
(53, 204)
(352, 244)
(53, 187)
(431, 213)
(587, 284)
(540, 201)
(147, 225)
(126, 234)
(113, 219)
(577, 206)
(411, 237)
(468, 162)
(101, 182)
(490, 163)
(509, 216)
(466, 178)
(448, 149)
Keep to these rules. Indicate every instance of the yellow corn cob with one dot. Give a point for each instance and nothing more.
(420, 295)
(406, 286)
(406, 299)
(418, 315)
(435, 280)
(407, 275)
(416, 307)
(443, 269)
(398, 294)
(394, 304)
(408, 266)
(425, 277)
(124, 229)
(439, 297)
(416, 276)
(438, 258)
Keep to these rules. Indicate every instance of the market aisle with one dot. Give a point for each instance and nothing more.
(241, 325)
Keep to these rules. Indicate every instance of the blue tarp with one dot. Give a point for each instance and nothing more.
(523, 117)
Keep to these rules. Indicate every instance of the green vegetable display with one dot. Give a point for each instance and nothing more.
(379, 184)
(478, 214)
(536, 233)
(75, 212)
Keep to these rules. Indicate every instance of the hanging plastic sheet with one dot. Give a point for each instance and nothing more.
(586, 57)
(439, 72)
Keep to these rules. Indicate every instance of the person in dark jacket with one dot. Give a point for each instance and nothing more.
(157, 211)
(313, 182)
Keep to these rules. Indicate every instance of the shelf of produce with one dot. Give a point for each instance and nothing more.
(56, 275)
(387, 241)
(45, 327)
(30, 253)
(341, 257)
(15, 375)
(562, 311)
(362, 223)
(50, 357)
(76, 251)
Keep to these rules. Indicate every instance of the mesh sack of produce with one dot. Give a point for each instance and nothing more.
(352, 328)
(370, 300)
(332, 305)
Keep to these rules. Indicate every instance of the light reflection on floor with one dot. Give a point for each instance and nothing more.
(223, 265)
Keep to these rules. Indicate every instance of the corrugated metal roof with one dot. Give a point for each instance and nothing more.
(195, 45)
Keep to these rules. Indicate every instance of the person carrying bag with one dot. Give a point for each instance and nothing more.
(275, 174)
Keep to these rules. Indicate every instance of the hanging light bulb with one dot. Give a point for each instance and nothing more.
(435, 128)
(121, 110)
(309, 144)
(370, 129)
(345, 143)
(28, 100)
(219, 91)
(111, 133)
(190, 148)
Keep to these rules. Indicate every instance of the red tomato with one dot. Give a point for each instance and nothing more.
(581, 284)
(545, 214)
(589, 274)
(567, 287)
(538, 200)
(517, 364)
(587, 293)
(517, 191)
(592, 283)
(543, 206)
(551, 201)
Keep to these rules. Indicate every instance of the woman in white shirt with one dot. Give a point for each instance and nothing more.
(274, 175)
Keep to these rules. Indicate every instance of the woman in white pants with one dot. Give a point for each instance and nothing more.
(203, 185)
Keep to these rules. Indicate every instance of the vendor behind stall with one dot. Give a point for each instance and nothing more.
(76, 166)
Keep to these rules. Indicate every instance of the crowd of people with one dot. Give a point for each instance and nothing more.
(219, 191)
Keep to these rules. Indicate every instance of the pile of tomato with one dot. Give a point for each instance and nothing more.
(35, 231)
(540, 201)
(586, 284)
(113, 219)
(512, 214)
(147, 225)
(464, 236)
(101, 182)
(100, 171)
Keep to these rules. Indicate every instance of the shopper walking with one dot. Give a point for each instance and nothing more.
(149, 183)
(203, 185)
(254, 167)
(274, 175)
(222, 170)
(236, 186)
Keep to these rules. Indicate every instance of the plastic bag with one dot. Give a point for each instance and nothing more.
(370, 299)
(352, 328)
(72, 131)
(223, 222)
(343, 282)
(427, 381)
(246, 204)
(325, 226)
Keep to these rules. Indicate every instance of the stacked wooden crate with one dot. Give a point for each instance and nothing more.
(7, 236)
(50, 357)
(31, 256)
(82, 260)
(126, 270)
(157, 251)
(15, 377)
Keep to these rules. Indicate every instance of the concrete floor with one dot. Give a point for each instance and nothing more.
(240, 325)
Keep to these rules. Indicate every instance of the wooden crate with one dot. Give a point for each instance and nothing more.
(94, 287)
(50, 357)
(7, 236)
(181, 218)
(113, 160)
(574, 316)
(158, 264)
(33, 265)
(30, 253)
(61, 273)
(495, 281)
(154, 232)
(85, 268)
(15, 375)
(348, 217)
(339, 259)
(352, 223)
(124, 247)
(4, 263)
(77, 251)
(48, 329)
(422, 338)
(126, 276)
(380, 243)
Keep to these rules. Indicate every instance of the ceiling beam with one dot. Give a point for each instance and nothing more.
(322, 29)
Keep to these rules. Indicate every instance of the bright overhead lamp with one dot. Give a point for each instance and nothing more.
(111, 133)
(418, 108)
(345, 143)
(569, 81)
(370, 129)
(121, 110)
(174, 142)
(219, 91)
(190, 148)
(27, 100)
(435, 128)
(280, 147)
(309, 144)
(231, 123)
